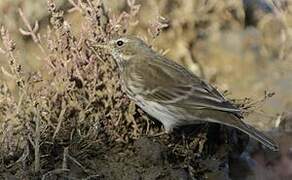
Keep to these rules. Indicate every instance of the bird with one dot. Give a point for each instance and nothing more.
(170, 93)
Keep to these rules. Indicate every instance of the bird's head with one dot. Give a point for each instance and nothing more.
(127, 47)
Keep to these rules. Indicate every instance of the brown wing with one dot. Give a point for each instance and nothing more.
(166, 82)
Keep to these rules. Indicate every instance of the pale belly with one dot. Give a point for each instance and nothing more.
(166, 117)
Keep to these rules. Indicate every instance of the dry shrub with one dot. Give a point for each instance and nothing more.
(73, 107)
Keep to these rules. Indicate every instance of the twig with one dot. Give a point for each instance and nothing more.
(75, 6)
(78, 163)
(60, 120)
(31, 31)
(55, 171)
(23, 157)
(65, 156)
(37, 142)
(96, 176)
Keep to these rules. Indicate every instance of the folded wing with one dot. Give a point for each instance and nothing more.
(166, 82)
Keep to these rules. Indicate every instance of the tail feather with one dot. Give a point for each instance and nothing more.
(233, 121)
(259, 136)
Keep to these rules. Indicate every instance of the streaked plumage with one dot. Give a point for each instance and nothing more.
(170, 93)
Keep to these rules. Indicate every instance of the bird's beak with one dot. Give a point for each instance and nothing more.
(103, 46)
(107, 46)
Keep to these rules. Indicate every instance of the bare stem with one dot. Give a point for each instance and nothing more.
(31, 31)
(37, 143)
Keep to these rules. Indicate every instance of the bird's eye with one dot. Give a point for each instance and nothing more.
(120, 43)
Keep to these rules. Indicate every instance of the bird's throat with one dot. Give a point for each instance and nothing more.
(122, 60)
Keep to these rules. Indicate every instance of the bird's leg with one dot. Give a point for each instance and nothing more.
(183, 137)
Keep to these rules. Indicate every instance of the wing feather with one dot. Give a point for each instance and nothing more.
(168, 83)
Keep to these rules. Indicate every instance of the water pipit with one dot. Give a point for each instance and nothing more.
(170, 93)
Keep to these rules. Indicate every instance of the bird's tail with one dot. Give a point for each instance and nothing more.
(259, 136)
(233, 121)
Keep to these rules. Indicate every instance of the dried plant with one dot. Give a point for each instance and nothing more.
(73, 106)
